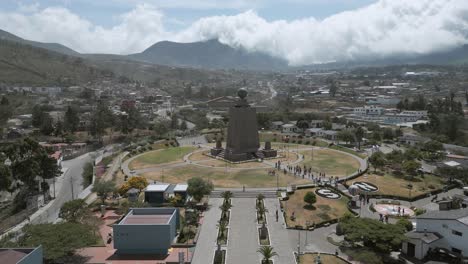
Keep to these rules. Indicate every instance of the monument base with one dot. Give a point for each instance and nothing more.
(270, 153)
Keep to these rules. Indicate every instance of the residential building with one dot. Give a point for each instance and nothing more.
(161, 192)
(290, 128)
(438, 230)
(369, 111)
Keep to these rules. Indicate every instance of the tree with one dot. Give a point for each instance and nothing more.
(138, 182)
(46, 125)
(87, 174)
(310, 198)
(161, 128)
(433, 146)
(359, 133)
(37, 116)
(198, 187)
(267, 253)
(102, 188)
(58, 240)
(71, 120)
(183, 125)
(73, 211)
(377, 160)
(222, 225)
(411, 167)
(388, 134)
(101, 119)
(5, 177)
(226, 195)
(346, 136)
(302, 124)
(405, 223)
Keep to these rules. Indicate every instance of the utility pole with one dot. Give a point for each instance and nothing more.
(54, 186)
(71, 184)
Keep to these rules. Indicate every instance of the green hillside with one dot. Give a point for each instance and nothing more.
(27, 65)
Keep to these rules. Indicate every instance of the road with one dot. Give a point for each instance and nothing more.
(68, 187)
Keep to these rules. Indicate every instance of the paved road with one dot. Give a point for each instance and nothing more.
(206, 244)
(243, 234)
(70, 187)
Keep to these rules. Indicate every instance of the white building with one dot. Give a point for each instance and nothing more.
(369, 111)
(438, 230)
(290, 128)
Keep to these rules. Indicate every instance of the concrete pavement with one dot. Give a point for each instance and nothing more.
(278, 233)
(206, 244)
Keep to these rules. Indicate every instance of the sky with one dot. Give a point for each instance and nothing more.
(299, 31)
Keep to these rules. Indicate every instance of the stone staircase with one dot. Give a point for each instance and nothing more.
(246, 194)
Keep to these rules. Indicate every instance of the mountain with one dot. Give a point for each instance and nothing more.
(29, 65)
(210, 54)
(48, 46)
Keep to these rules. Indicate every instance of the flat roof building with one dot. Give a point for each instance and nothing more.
(146, 231)
(21, 255)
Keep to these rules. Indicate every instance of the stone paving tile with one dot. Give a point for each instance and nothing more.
(206, 244)
(279, 237)
(243, 235)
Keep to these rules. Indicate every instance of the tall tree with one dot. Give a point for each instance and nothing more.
(198, 187)
(359, 133)
(71, 120)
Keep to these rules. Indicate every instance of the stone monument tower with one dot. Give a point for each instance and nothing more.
(242, 135)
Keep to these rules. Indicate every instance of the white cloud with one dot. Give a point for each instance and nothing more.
(385, 28)
(137, 29)
(28, 8)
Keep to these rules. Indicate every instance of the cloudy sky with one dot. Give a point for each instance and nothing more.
(300, 31)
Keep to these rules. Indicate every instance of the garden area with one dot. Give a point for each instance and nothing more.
(389, 184)
(301, 213)
(224, 178)
(332, 163)
(324, 258)
(160, 156)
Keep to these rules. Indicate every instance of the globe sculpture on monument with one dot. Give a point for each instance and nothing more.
(242, 135)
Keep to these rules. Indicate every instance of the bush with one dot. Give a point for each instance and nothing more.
(405, 223)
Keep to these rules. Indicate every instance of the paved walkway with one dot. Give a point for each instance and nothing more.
(278, 233)
(206, 244)
(243, 234)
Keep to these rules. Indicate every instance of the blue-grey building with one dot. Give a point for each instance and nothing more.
(146, 231)
(21, 255)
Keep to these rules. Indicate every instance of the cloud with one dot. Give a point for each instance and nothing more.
(385, 28)
(137, 29)
(388, 27)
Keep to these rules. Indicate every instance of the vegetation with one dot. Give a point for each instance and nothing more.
(136, 182)
(103, 188)
(73, 211)
(198, 187)
(267, 253)
(160, 156)
(373, 233)
(310, 198)
(87, 174)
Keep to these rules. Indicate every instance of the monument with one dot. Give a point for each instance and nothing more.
(242, 143)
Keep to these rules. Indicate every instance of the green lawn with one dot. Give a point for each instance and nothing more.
(222, 178)
(160, 157)
(348, 150)
(331, 162)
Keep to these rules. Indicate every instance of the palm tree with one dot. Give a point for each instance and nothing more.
(224, 208)
(222, 225)
(226, 195)
(261, 210)
(260, 198)
(267, 253)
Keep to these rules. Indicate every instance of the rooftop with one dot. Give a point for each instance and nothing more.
(427, 237)
(13, 255)
(149, 216)
(162, 187)
(458, 214)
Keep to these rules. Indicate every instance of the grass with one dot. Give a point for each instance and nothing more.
(326, 259)
(160, 157)
(325, 209)
(350, 151)
(222, 178)
(331, 162)
(397, 186)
